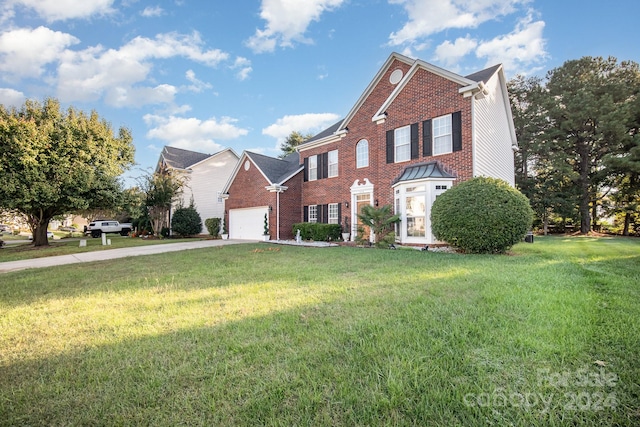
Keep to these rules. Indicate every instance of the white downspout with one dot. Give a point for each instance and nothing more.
(277, 215)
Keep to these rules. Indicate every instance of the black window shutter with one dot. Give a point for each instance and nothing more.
(306, 172)
(339, 213)
(427, 140)
(325, 214)
(415, 140)
(306, 214)
(456, 127)
(390, 148)
(325, 165)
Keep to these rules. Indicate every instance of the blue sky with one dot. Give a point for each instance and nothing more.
(207, 75)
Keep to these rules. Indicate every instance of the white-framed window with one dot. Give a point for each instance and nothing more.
(219, 194)
(333, 163)
(313, 168)
(333, 213)
(313, 213)
(402, 144)
(362, 154)
(442, 135)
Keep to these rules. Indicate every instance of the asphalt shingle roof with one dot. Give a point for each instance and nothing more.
(276, 169)
(179, 158)
(483, 75)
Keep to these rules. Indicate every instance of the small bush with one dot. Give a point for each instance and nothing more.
(482, 215)
(213, 226)
(317, 231)
(186, 222)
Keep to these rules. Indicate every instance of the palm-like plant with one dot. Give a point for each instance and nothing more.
(381, 222)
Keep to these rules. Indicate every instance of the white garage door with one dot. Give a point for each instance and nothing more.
(247, 223)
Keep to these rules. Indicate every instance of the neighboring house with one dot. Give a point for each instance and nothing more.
(416, 131)
(205, 177)
(261, 185)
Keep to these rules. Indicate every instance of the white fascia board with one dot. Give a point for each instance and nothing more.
(215, 155)
(290, 176)
(418, 64)
(225, 189)
(245, 156)
(373, 84)
(276, 188)
(323, 141)
(418, 180)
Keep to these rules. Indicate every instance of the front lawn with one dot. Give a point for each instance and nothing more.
(260, 334)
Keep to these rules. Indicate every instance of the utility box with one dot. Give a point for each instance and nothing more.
(529, 237)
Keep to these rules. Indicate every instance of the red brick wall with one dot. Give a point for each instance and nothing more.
(290, 207)
(426, 96)
(248, 190)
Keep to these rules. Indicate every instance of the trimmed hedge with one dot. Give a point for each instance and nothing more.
(186, 222)
(317, 231)
(482, 215)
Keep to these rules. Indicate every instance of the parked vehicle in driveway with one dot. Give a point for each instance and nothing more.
(70, 229)
(99, 226)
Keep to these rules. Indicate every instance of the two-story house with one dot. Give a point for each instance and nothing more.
(205, 176)
(414, 132)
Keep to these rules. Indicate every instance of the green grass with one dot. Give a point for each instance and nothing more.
(261, 334)
(21, 251)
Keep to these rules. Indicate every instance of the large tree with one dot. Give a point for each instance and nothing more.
(587, 101)
(290, 144)
(53, 162)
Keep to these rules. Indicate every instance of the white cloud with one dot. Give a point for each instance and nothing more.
(303, 123)
(518, 50)
(91, 73)
(243, 65)
(139, 96)
(192, 133)
(60, 10)
(196, 84)
(428, 17)
(152, 12)
(287, 22)
(25, 52)
(11, 97)
(450, 53)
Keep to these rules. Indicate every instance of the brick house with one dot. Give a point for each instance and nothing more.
(261, 185)
(415, 131)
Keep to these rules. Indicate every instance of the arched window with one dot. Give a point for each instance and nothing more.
(362, 154)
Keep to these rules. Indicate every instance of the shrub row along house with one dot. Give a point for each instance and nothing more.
(416, 130)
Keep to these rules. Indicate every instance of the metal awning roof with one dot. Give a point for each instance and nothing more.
(424, 171)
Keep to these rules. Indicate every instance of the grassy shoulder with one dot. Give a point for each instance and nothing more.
(261, 334)
(69, 246)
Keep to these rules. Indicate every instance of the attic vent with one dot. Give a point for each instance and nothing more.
(395, 77)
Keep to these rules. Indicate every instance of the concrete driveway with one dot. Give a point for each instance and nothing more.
(6, 267)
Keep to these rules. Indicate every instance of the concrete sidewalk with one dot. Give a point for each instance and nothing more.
(113, 254)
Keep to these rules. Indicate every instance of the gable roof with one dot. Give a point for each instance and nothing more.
(484, 75)
(276, 171)
(469, 84)
(178, 158)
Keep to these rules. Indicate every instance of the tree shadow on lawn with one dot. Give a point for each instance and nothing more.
(361, 359)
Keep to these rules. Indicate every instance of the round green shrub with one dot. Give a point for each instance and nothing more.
(213, 226)
(186, 222)
(482, 215)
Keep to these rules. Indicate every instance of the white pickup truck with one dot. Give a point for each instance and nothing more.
(99, 226)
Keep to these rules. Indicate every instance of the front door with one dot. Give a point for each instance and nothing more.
(363, 200)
